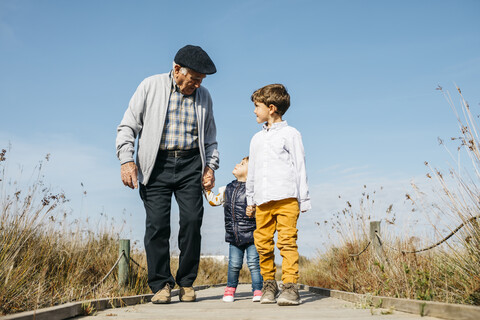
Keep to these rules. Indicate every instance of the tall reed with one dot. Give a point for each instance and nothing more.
(449, 272)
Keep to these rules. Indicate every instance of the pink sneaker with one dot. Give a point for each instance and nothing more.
(257, 294)
(229, 294)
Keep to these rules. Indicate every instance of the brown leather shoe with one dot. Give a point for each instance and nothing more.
(163, 295)
(187, 294)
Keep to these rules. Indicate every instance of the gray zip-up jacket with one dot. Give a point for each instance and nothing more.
(145, 118)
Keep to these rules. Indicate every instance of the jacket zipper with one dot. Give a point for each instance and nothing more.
(233, 213)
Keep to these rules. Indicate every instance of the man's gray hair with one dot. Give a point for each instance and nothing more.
(183, 70)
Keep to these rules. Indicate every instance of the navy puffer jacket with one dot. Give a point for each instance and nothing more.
(238, 227)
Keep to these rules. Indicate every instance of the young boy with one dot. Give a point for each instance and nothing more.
(276, 192)
(238, 232)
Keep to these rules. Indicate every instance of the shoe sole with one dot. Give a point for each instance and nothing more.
(267, 301)
(183, 298)
(285, 302)
(161, 302)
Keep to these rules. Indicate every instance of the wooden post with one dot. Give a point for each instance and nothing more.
(377, 245)
(124, 263)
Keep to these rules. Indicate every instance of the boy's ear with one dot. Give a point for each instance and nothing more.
(272, 108)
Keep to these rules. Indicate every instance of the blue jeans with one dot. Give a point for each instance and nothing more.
(235, 262)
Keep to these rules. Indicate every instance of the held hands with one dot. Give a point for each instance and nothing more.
(128, 171)
(208, 179)
(250, 211)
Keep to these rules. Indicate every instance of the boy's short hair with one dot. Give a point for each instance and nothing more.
(275, 94)
(246, 158)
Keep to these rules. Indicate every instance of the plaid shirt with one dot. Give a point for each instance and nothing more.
(180, 131)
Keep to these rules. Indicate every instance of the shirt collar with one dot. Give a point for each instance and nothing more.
(275, 126)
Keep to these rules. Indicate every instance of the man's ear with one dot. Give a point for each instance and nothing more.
(272, 108)
(176, 68)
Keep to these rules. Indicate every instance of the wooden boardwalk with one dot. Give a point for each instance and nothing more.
(210, 306)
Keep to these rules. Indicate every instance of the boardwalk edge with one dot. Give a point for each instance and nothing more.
(420, 307)
(74, 309)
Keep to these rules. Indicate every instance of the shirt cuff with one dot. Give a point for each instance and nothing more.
(305, 205)
(250, 201)
(125, 157)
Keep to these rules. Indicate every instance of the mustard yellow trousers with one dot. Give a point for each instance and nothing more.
(280, 216)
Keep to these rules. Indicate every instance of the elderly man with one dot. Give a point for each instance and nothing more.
(171, 114)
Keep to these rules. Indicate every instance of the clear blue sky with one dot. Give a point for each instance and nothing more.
(361, 74)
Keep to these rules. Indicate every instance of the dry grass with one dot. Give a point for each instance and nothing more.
(437, 275)
(46, 259)
(448, 273)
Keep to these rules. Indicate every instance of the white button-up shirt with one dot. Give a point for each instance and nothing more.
(276, 166)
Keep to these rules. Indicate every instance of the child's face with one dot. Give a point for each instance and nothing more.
(241, 170)
(262, 111)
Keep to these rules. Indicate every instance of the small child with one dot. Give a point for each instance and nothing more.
(238, 232)
(277, 191)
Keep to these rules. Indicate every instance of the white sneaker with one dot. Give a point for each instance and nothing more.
(257, 295)
(229, 294)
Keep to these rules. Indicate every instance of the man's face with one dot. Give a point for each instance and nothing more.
(188, 83)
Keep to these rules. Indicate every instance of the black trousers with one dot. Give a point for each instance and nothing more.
(181, 177)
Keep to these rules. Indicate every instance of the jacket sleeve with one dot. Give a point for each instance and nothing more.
(131, 125)
(216, 200)
(211, 145)
(298, 154)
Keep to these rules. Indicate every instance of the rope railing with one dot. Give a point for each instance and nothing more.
(364, 249)
(375, 236)
(135, 262)
(105, 277)
(110, 272)
(433, 245)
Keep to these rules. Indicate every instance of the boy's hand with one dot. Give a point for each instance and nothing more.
(250, 212)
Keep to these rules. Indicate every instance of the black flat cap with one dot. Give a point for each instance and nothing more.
(193, 57)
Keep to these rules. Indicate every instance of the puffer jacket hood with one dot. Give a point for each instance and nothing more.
(238, 227)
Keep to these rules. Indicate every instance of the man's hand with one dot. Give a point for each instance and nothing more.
(250, 212)
(208, 179)
(128, 171)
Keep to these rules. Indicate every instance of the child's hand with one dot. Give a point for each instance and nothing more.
(250, 212)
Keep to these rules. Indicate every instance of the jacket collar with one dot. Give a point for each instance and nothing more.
(235, 182)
